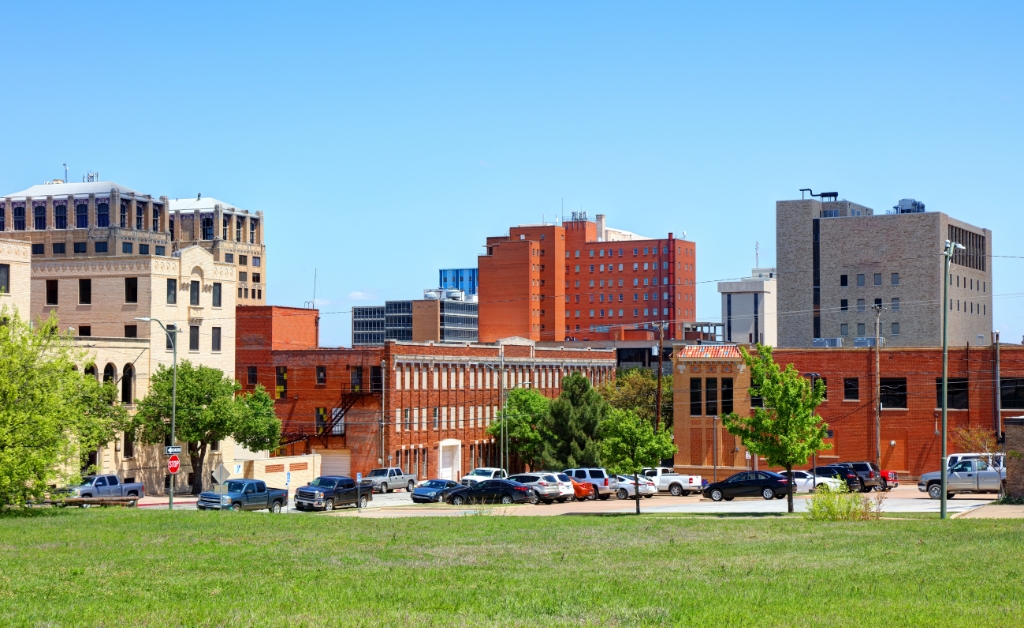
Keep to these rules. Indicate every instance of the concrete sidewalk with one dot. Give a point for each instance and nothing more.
(995, 511)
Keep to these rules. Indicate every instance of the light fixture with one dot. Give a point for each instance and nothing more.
(892, 443)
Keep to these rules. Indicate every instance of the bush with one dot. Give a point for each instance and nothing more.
(840, 504)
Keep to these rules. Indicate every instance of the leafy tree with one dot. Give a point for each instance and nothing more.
(629, 443)
(208, 411)
(637, 390)
(569, 432)
(49, 411)
(786, 431)
(525, 410)
(975, 440)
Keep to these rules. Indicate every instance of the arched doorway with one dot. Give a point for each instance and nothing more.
(109, 373)
(128, 384)
(90, 369)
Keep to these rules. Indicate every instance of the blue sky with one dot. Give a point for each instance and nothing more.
(384, 142)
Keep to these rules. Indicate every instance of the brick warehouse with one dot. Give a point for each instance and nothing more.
(438, 399)
(910, 414)
(582, 280)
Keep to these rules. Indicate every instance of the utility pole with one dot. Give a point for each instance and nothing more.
(383, 406)
(504, 410)
(878, 387)
(948, 255)
(661, 356)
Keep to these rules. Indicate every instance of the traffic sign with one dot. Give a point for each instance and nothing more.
(359, 477)
(748, 455)
(170, 451)
(287, 478)
(221, 474)
(173, 464)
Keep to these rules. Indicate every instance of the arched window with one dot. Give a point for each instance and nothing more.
(81, 216)
(90, 369)
(60, 217)
(103, 215)
(19, 218)
(156, 217)
(109, 373)
(207, 228)
(40, 214)
(127, 384)
(124, 215)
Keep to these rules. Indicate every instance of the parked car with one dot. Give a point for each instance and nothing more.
(868, 474)
(582, 490)
(483, 473)
(244, 495)
(767, 484)
(105, 486)
(492, 492)
(667, 480)
(626, 488)
(433, 491)
(807, 482)
(544, 485)
(566, 491)
(838, 472)
(329, 491)
(388, 479)
(604, 485)
(973, 475)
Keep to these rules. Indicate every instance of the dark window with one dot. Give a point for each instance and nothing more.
(851, 389)
(127, 247)
(321, 375)
(843, 281)
(129, 445)
(85, 291)
(80, 247)
(1011, 393)
(131, 331)
(894, 392)
(256, 263)
(60, 217)
(193, 338)
(860, 280)
(100, 247)
(19, 218)
(216, 295)
(86, 330)
(103, 215)
(243, 260)
(282, 382)
(171, 335)
(193, 293)
(878, 303)
(172, 291)
(726, 395)
(229, 258)
(207, 226)
(956, 393)
(160, 250)
(251, 372)
(143, 249)
(51, 292)
(696, 403)
(81, 216)
(40, 215)
(844, 305)
(131, 289)
(215, 338)
(59, 248)
(38, 249)
(5, 278)
(711, 396)
(878, 279)
(140, 215)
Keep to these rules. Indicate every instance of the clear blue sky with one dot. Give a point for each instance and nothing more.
(385, 141)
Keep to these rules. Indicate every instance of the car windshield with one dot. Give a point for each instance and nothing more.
(563, 477)
(324, 483)
(434, 484)
(88, 479)
(484, 472)
(235, 487)
(378, 473)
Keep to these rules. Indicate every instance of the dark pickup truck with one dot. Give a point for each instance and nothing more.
(329, 491)
(244, 495)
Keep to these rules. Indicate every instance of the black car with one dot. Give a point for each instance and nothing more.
(840, 473)
(492, 492)
(328, 491)
(766, 484)
(868, 473)
(433, 491)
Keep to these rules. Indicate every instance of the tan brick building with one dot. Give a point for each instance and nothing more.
(837, 259)
(15, 272)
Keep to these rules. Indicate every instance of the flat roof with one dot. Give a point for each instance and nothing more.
(202, 204)
(98, 188)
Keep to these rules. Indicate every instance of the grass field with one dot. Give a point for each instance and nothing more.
(130, 567)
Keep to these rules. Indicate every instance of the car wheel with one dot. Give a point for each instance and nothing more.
(458, 500)
(605, 497)
(411, 485)
(384, 488)
(863, 488)
(506, 499)
(884, 486)
(949, 495)
(716, 495)
(236, 506)
(362, 501)
(593, 491)
(935, 491)
(648, 496)
(728, 499)
(275, 507)
(767, 493)
(675, 490)
(329, 505)
(621, 493)
(561, 500)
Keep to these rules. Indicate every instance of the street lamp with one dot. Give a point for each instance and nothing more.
(174, 389)
(951, 247)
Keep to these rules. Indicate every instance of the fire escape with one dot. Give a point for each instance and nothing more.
(332, 422)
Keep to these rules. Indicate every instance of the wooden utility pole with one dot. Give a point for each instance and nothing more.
(661, 356)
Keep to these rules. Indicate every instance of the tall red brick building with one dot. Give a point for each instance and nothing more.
(419, 405)
(583, 280)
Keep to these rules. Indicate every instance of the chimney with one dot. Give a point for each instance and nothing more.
(600, 227)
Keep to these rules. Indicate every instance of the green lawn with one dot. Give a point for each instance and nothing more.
(130, 567)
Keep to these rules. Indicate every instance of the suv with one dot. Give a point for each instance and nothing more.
(868, 474)
(841, 472)
(544, 485)
(605, 485)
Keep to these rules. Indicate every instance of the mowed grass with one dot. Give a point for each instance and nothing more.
(121, 567)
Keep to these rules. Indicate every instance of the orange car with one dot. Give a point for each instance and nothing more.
(582, 491)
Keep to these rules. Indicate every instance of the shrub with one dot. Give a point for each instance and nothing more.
(839, 504)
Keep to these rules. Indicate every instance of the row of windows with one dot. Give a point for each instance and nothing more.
(894, 280)
(243, 276)
(611, 313)
(653, 250)
(81, 248)
(705, 399)
(131, 292)
(60, 217)
(243, 260)
(444, 418)
(611, 267)
(844, 305)
(969, 283)
(648, 296)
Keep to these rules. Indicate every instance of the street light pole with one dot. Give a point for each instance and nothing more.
(661, 354)
(948, 255)
(878, 387)
(174, 390)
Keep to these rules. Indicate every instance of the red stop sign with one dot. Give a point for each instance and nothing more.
(173, 464)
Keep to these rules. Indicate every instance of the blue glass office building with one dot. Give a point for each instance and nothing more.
(458, 278)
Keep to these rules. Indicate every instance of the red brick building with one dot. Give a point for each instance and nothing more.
(910, 402)
(423, 406)
(585, 281)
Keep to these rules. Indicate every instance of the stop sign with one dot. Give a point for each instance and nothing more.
(173, 464)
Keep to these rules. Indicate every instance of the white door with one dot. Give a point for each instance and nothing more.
(335, 462)
(447, 458)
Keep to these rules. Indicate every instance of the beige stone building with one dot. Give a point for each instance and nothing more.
(837, 260)
(15, 270)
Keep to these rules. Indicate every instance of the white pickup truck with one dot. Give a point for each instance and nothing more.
(668, 481)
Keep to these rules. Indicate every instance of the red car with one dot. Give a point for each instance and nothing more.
(582, 491)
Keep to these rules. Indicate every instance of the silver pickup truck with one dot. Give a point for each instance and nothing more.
(389, 478)
(106, 486)
(966, 476)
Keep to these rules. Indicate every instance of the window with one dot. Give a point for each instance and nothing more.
(726, 395)
(844, 305)
(851, 389)
(193, 338)
(160, 250)
(281, 381)
(193, 293)
(696, 403)
(40, 218)
(860, 305)
(172, 291)
(102, 214)
(844, 329)
(216, 295)
(1011, 393)
(243, 260)
(256, 279)
(59, 248)
(19, 218)
(143, 249)
(5, 278)
(100, 247)
(229, 258)
(85, 331)
(81, 216)
(895, 279)
(878, 303)
(171, 336)
(878, 279)
(131, 289)
(894, 392)
(711, 396)
(51, 292)
(860, 329)
(207, 228)
(126, 247)
(894, 305)
(895, 329)
(243, 276)
(956, 393)
(79, 247)
(860, 280)
(321, 375)
(85, 291)
(256, 262)
(131, 331)
(60, 217)
(252, 230)
(38, 249)
(140, 215)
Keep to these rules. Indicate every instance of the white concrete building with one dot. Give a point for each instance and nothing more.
(749, 312)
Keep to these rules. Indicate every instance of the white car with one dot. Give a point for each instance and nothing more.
(483, 473)
(804, 482)
(565, 490)
(626, 487)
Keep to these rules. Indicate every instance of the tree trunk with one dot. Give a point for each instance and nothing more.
(789, 493)
(636, 490)
(197, 458)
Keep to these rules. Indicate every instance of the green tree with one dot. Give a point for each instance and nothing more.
(637, 390)
(49, 410)
(208, 411)
(525, 410)
(629, 443)
(569, 432)
(785, 431)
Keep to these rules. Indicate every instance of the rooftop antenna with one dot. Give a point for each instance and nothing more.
(757, 257)
(199, 196)
(65, 172)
